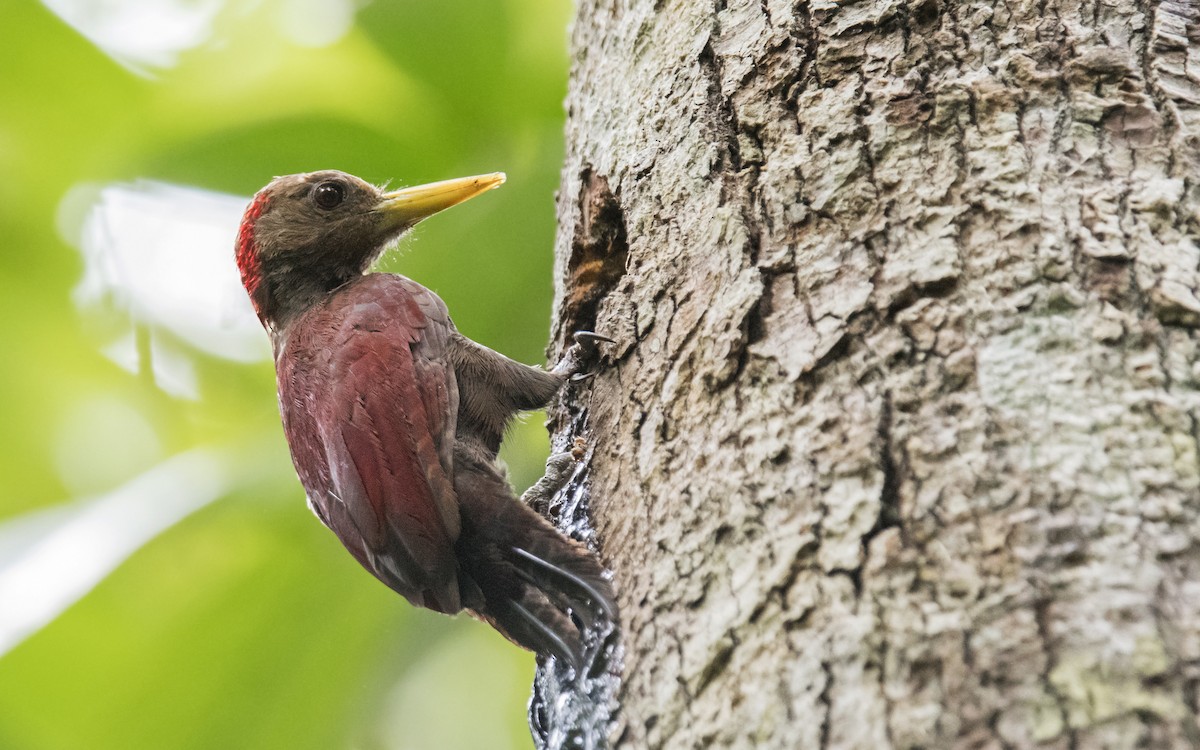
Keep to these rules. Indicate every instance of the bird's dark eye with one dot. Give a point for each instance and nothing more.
(329, 194)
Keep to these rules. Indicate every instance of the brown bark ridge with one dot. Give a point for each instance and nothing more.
(898, 443)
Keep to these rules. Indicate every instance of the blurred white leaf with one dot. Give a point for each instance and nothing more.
(149, 35)
(164, 255)
(316, 23)
(140, 34)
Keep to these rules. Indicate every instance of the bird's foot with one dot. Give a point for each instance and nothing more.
(574, 362)
(559, 468)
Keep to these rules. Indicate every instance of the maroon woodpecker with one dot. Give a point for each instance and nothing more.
(394, 418)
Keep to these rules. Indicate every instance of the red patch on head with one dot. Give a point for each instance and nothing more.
(248, 260)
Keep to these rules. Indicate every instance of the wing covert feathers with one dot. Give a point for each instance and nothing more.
(369, 382)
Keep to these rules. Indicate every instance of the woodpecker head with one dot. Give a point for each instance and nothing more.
(304, 235)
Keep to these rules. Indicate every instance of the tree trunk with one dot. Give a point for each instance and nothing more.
(898, 443)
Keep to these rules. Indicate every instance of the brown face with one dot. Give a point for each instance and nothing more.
(305, 234)
(329, 212)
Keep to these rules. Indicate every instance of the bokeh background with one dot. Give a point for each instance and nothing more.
(162, 584)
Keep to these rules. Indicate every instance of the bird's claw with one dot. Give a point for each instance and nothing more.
(590, 340)
(559, 468)
(587, 344)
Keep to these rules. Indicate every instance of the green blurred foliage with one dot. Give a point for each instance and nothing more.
(247, 625)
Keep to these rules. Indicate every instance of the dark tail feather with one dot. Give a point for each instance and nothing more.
(525, 577)
(548, 632)
(585, 597)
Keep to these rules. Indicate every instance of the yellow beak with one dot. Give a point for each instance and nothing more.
(406, 207)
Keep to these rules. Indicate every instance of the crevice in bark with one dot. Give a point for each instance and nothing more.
(716, 665)
(1191, 697)
(943, 287)
(1041, 613)
(826, 704)
(890, 513)
(599, 255)
(854, 575)
(1167, 18)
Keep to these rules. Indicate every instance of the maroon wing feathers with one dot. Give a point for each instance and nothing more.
(385, 406)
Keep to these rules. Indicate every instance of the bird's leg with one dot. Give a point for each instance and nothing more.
(497, 383)
(559, 468)
(572, 365)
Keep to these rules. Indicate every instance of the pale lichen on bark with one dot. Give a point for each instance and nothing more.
(898, 443)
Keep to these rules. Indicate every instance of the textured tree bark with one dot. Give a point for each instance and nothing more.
(898, 444)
